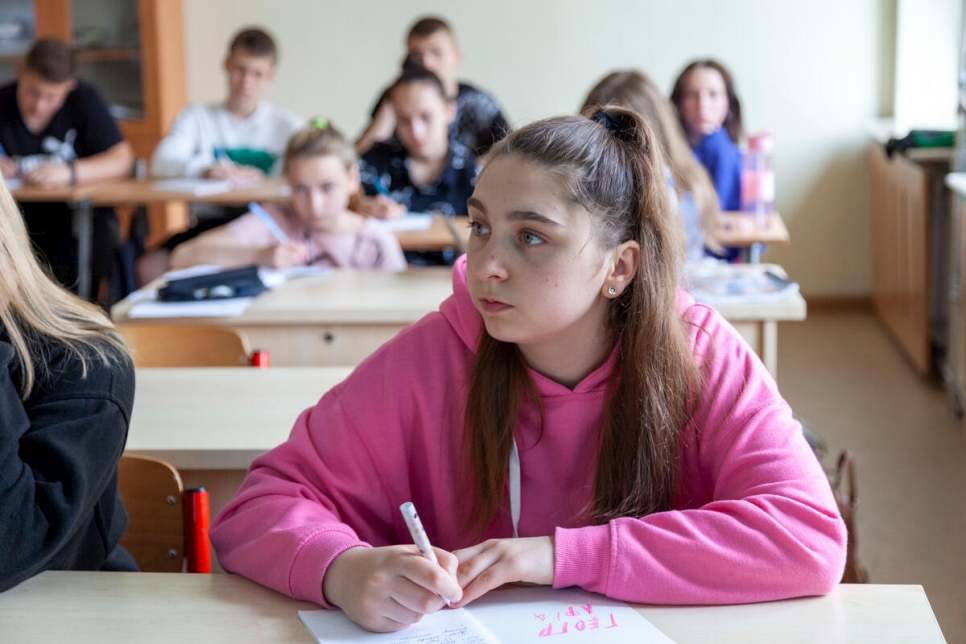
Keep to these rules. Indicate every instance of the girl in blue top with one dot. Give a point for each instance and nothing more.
(710, 113)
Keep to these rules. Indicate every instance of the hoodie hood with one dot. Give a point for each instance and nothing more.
(460, 311)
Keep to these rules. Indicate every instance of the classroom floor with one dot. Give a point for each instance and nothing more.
(846, 380)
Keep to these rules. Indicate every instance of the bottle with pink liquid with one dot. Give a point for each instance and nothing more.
(758, 178)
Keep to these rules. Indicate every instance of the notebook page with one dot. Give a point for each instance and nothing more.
(443, 627)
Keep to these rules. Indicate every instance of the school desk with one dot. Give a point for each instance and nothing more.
(337, 318)
(740, 230)
(758, 324)
(441, 234)
(78, 198)
(83, 607)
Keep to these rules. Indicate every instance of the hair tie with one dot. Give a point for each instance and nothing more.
(608, 121)
(320, 122)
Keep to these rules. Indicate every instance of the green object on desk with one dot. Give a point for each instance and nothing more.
(922, 139)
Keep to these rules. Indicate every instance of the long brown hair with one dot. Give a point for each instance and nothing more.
(636, 91)
(732, 123)
(36, 312)
(611, 166)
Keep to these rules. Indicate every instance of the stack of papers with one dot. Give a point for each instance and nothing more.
(740, 283)
(412, 221)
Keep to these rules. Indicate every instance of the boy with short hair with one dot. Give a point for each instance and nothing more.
(478, 123)
(241, 139)
(57, 131)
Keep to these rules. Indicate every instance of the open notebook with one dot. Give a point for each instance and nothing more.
(525, 614)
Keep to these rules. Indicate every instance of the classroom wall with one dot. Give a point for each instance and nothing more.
(813, 73)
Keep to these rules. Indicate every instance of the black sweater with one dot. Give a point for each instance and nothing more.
(59, 452)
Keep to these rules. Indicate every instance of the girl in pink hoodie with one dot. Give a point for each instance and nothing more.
(568, 417)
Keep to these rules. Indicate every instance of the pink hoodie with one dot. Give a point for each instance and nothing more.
(755, 519)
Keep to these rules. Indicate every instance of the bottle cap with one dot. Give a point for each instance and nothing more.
(762, 142)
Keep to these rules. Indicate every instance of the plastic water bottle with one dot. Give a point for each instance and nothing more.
(758, 179)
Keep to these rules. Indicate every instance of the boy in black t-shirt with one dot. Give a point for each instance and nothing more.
(56, 131)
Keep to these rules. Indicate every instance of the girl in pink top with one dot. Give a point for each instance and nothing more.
(568, 417)
(317, 226)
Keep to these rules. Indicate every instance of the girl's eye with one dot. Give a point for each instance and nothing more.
(531, 239)
(476, 228)
(301, 190)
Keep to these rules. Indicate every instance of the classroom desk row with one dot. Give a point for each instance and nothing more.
(86, 607)
(735, 227)
(341, 317)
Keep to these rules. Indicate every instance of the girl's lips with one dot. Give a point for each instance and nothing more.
(493, 306)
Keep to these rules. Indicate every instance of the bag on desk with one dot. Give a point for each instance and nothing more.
(241, 282)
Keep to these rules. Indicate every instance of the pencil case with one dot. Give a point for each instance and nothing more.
(239, 282)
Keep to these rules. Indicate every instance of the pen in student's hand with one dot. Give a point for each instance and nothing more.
(380, 186)
(222, 158)
(269, 222)
(419, 535)
(3, 152)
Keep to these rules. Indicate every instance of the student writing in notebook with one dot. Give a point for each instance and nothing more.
(568, 418)
(66, 394)
(691, 187)
(478, 123)
(315, 228)
(240, 139)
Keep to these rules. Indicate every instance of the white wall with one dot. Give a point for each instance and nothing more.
(812, 72)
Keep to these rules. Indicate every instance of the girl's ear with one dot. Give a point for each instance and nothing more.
(626, 258)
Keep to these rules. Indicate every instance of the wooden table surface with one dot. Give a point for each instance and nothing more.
(83, 607)
(738, 229)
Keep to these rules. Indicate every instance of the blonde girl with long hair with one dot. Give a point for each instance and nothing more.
(66, 393)
(696, 196)
(569, 418)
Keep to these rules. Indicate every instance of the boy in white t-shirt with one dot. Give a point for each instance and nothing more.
(241, 139)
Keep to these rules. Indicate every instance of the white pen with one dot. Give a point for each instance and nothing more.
(269, 222)
(418, 534)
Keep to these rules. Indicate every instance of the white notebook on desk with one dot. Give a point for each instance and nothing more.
(194, 186)
(524, 614)
(410, 221)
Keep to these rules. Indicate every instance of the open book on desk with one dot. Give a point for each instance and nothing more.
(520, 614)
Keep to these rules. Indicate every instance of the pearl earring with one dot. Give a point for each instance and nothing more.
(612, 290)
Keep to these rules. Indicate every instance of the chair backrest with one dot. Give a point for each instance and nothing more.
(185, 345)
(153, 497)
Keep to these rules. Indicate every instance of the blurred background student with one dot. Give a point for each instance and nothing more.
(56, 131)
(316, 228)
(478, 123)
(66, 394)
(696, 198)
(241, 139)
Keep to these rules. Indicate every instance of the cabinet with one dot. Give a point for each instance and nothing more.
(131, 50)
(912, 254)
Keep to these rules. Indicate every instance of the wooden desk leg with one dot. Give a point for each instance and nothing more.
(769, 347)
(82, 214)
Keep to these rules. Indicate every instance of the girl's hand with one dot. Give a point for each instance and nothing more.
(493, 563)
(387, 589)
(382, 207)
(286, 254)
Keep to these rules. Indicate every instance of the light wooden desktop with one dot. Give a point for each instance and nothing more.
(334, 319)
(741, 230)
(86, 607)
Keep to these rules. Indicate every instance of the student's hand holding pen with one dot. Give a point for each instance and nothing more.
(527, 560)
(286, 254)
(389, 588)
(223, 168)
(382, 207)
